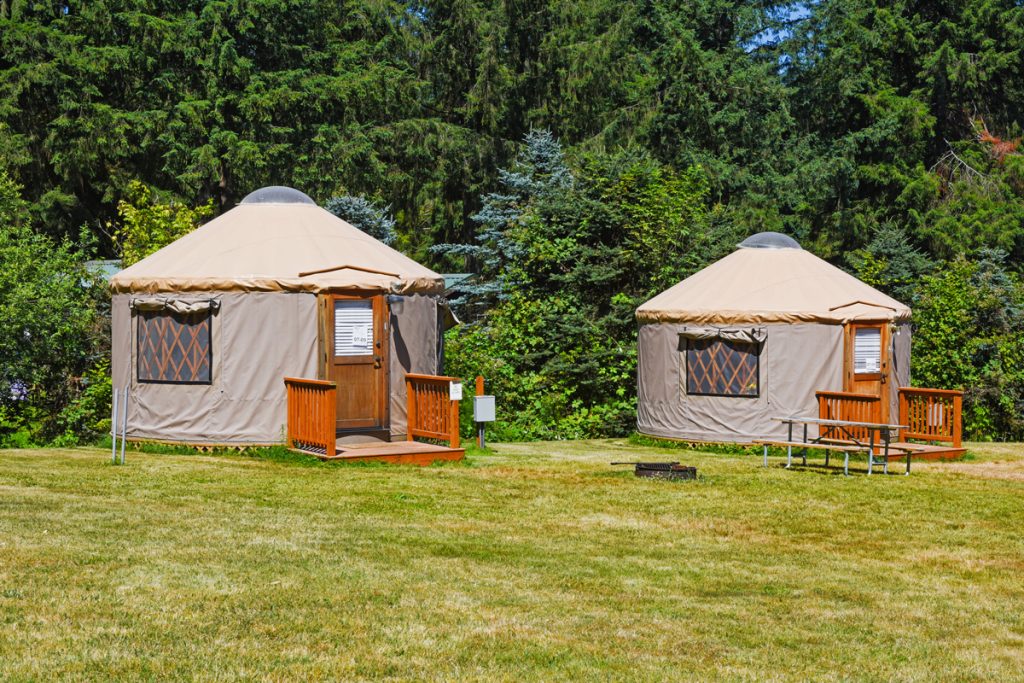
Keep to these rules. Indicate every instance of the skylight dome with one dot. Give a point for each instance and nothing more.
(277, 194)
(769, 240)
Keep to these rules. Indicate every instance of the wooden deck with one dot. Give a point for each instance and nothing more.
(433, 414)
(929, 452)
(397, 452)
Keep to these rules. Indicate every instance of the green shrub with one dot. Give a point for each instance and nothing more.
(969, 334)
(87, 416)
(51, 332)
(567, 254)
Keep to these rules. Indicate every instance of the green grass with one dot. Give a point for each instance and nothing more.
(533, 561)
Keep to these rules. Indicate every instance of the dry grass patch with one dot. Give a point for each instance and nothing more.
(538, 562)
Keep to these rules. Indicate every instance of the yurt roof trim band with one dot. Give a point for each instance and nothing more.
(862, 314)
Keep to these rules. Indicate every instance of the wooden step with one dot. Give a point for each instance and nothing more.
(922, 451)
(397, 452)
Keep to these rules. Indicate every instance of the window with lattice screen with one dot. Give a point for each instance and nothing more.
(719, 367)
(174, 348)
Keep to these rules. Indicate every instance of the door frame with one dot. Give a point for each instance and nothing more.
(382, 325)
(883, 376)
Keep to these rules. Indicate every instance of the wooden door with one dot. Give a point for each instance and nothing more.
(867, 365)
(357, 360)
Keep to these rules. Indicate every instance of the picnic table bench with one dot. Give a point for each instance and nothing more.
(850, 444)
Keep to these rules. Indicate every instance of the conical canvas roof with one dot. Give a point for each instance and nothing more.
(773, 284)
(277, 239)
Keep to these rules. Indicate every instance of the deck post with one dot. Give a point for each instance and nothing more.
(124, 421)
(453, 424)
(958, 404)
(480, 425)
(290, 422)
(113, 428)
(328, 407)
(410, 402)
(904, 413)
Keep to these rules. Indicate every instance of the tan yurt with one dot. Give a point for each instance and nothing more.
(206, 329)
(755, 335)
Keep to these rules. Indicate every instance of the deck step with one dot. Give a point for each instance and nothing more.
(397, 452)
(922, 451)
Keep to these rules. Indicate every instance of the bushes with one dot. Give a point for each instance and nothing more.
(537, 400)
(146, 225)
(87, 416)
(51, 333)
(969, 333)
(566, 253)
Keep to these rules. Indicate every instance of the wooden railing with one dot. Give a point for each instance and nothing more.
(846, 405)
(432, 413)
(931, 415)
(312, 415)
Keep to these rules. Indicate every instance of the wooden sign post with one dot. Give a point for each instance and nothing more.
(483, 411)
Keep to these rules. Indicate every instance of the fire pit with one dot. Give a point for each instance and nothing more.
(661, 470)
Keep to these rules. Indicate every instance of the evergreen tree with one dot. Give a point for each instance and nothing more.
(365, 215)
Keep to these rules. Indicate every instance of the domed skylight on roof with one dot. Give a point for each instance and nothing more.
(277, 194)
(770, 240)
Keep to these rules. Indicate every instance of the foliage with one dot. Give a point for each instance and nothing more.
(569, 254)
(825, 120)
(976, 202)
(540, 173)
(146, 225)
(887, 92)
(50, 334)
(969, 334)
(891, 263)
(87, 416)
(365, 215)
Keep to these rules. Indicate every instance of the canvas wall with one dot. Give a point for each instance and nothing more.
(414, 348)
(796, 361)
(900, 369)
(258, 339)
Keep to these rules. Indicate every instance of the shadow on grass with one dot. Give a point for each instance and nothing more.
(637, 439)
(278, 454)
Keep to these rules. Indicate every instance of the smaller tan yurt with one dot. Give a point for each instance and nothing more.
(206, 329)
(755, 335)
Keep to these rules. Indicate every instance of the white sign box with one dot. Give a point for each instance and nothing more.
(455, 391)
(483, 409)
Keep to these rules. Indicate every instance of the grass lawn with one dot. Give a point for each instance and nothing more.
(537, 562)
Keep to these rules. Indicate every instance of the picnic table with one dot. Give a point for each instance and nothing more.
(879, 436)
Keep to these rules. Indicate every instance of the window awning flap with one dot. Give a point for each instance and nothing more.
(745, 334)
(180, 306)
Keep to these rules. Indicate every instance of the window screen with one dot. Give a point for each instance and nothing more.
(353, 328)
(717, 367)
(174, 347)
(867, 350)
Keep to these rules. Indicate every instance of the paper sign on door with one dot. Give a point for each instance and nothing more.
(361, 335)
